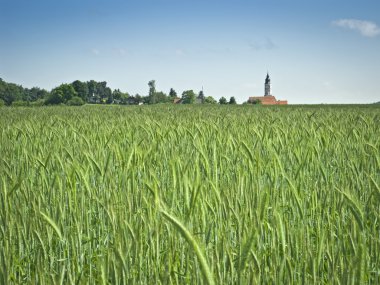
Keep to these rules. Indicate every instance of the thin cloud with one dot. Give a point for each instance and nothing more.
(365, 28)
(95, 51)
(327, 84)
(179, 52)
(267, 44)
(122, 51)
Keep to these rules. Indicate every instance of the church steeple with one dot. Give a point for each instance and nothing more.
(267, 86)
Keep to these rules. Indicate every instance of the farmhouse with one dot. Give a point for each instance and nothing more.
(268, 98)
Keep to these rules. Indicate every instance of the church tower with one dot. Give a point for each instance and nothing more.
(268, 98)
(267, 86)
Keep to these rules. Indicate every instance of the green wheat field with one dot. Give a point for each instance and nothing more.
(190, 195)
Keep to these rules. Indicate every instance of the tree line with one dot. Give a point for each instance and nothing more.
(93, 92)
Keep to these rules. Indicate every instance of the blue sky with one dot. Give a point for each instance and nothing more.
(315, 51)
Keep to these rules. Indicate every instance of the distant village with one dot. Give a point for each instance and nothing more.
(92, 92)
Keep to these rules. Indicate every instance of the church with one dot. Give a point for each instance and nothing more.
(268, 98)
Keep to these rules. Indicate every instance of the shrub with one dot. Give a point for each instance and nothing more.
(37, 103)
(20, 103)
(210, 100)
(255, 102)
(75, 101)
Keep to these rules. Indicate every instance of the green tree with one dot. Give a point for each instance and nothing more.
(188, 97)
(68, 92)
(138, 98)
(201, 96)
(104, 92)
(210, 100)
(124, 98)
(161, 97)
(81, 88)
(91, 85)
(110, 99)
(232, 101)
(222, 101)
(117, 94)
(35, 94)
(172, 93)
(55, 97)
(10, 92)
(61, 94)
(152, 92)
(145, 99)
(120, 96)
(2, 88)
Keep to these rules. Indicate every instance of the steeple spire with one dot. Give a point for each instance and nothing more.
(267, 86)
(267, 80)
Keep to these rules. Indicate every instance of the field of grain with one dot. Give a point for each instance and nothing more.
(190, 195)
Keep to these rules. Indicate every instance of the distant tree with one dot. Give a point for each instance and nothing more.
(35, 94)
(210, 100)
(110, 98)
(91, 85)
(124, 98)
(104, 92)
(68, 92)
(161, 97)
(3, 85)
(232, 101)
(152, 87)
(172, 93)
(146, 99)
(119, 97)
(81, 88)
(55, 97)
(108, 95)
(188, 97)
(117, 94)
(130, 100)
(10, 92)
(61, 94)
(138, 98)
(152, 92)
(222, 101)
(201, 96)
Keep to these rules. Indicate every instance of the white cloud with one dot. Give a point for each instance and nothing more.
(366, 28)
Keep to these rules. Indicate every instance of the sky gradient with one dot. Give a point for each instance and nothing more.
(315, 51)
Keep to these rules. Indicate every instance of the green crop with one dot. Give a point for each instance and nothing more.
(170, 194)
